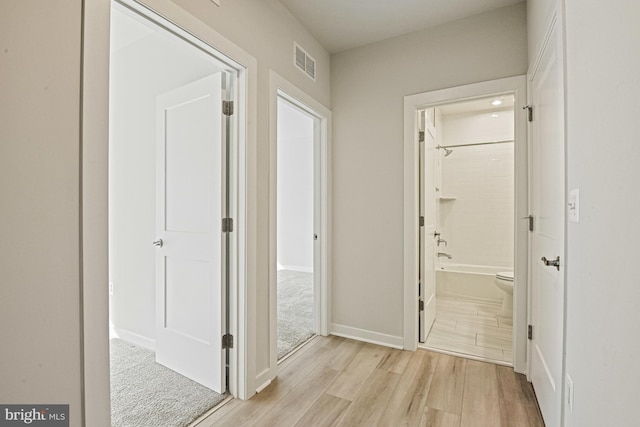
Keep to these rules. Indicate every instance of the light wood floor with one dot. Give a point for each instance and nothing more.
(339, 382)
(471, 327)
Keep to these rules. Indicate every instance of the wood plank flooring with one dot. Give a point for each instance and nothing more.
(334, 381)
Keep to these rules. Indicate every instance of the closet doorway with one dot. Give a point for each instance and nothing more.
(299, 220)
(297, 225)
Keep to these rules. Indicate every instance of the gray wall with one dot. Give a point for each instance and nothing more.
(40, 208)
(603, 289)
(367, 89)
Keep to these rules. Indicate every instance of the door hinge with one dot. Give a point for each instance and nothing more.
(421, 136)
(421, 221)
(420, 305)
(227, 341)
(227, 225)
(529, 109)
(530, 332)
(227, 108)
(530, 218)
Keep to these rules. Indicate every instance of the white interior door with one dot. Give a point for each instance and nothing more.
(428, 230)
(191, 188)
(547, 238)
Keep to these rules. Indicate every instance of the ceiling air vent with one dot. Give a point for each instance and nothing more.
(303, 61)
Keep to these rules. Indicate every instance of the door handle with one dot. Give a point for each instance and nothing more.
(552, 262)
(159, 243)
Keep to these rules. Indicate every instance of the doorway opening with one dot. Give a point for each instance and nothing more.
(173, 196)
(297, 225)
(466, 231)
(424, 113)
(317, 167)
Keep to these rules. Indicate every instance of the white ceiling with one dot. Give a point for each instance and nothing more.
(479, 105)
(344, 24)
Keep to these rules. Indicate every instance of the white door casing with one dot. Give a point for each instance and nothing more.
(412, 103)
(547, 192)
(317, 224)
(191, 188)
(428, 230)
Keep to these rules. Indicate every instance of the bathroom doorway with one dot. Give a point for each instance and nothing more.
(450, 112)
(467, 227)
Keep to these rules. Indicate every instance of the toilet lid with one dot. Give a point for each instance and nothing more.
(505, 275)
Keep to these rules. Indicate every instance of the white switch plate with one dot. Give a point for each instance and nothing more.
(574, 205)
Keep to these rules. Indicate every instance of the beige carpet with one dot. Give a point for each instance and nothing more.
(295, 310)
(146, 394)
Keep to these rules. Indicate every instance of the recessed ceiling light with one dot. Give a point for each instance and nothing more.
(496, 102)
(494, 115)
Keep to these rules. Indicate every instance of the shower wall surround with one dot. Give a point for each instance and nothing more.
(477, 221)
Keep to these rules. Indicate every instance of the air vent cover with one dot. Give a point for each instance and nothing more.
(303, 61)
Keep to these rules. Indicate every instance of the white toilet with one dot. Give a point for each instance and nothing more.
(504, 281)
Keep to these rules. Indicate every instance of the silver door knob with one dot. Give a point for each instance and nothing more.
(552, 262)
(159, 243)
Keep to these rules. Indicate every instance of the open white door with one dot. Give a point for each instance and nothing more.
(191, 191)
(428, 227)
(547, 238)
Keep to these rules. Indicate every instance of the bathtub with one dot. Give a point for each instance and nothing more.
(473, 282)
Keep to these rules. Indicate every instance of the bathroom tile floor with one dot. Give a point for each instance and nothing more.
(473, 328)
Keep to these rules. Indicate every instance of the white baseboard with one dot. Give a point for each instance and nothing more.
(263, 386)
(136, 339)
(366, 336)
(295, 268)
(264, 378)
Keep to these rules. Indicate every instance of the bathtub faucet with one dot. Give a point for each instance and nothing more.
(442, 254)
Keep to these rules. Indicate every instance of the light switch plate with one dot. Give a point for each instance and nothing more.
(574, 205)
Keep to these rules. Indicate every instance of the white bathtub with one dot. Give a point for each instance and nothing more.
(473, 282)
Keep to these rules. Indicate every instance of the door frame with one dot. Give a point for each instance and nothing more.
(94, 197)
(412, 103)
(279, 87)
